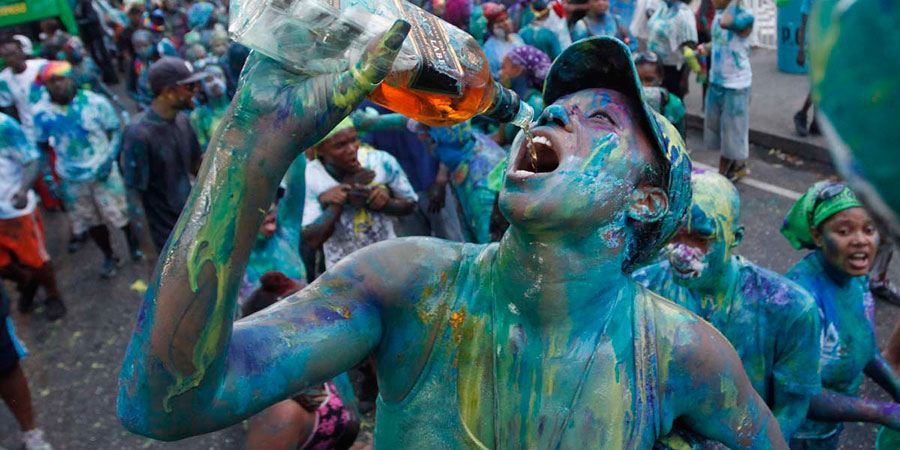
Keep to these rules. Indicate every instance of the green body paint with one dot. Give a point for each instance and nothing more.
(540, 341)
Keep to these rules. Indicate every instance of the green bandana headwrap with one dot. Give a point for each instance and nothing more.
(343, 125)
(820, 202)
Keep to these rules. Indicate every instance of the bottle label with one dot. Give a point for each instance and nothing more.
(440, 71)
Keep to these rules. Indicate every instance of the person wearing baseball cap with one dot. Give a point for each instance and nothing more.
(160, 150)
(539, 341)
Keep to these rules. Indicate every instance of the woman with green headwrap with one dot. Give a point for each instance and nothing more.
(829, 220)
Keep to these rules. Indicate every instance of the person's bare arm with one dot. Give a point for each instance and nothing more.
(716, 398)
(316, 233)
(188, 368)
(830, 406)
(881, 372)
(30, 172)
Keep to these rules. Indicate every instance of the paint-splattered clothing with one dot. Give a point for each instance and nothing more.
(730, 62)
(140, 91)
(357, 226)
(18, 89)
(471, 395)
(603, 25)
(205, 119)
(846, 311)
(495, 50)
(86, 75)
(336, 424)
(770, 321)
(542, 39)
(624, 9)
(80, 134)
(672, 25)
(16, 151)
(470, 157)
(667, 104)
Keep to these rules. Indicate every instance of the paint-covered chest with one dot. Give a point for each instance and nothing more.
(489, 383)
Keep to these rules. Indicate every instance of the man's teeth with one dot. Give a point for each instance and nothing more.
(859, 256)
(543, 141)
(523, 173)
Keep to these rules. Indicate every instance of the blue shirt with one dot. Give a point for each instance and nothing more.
(846, 310)
(771, 322)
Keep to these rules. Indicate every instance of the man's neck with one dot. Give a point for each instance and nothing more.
(19, 69)
(163, 109)
(561, 280)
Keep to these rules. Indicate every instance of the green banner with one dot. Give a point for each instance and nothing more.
(15, 12)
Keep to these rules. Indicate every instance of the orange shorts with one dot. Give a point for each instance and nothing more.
(22, 240)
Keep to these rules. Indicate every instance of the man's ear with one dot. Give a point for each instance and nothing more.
(649, 204)
(738, 236)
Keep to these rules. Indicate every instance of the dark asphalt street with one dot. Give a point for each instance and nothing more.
(74, 363)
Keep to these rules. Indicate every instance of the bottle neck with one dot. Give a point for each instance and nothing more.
(506, 107)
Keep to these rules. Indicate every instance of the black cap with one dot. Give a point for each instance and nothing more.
(169, 71)
(605, 62)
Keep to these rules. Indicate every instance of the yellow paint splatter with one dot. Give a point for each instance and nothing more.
(139, 286)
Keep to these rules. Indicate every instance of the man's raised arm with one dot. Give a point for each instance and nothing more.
(186, 371)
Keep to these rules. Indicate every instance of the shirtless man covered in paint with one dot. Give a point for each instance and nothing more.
(539, 341)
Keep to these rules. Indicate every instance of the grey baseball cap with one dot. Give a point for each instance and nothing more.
(169, 71)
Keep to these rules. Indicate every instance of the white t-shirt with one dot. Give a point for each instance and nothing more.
(558, 26)
(15, 90)
(730, 63)
(15, 152)
(357, 226)
(671, 25)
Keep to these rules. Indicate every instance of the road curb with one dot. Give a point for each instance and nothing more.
(787, 145)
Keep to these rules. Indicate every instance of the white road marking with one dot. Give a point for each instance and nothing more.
(761, 185)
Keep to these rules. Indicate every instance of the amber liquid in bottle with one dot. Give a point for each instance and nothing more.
(437, 109)
(451, 81)
(440, 78)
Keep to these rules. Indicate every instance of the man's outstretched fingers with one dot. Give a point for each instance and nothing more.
(379, 56)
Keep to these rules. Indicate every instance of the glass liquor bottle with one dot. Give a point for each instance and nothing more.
(441, 76)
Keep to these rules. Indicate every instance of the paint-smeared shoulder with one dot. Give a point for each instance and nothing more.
(394, 269)
(686, 343)
(780, 294)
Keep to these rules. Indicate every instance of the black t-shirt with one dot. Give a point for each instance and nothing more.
(157, 157)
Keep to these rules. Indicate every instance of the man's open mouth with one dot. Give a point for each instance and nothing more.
(537, 156)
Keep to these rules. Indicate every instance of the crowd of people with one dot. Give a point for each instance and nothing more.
(69, 143)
